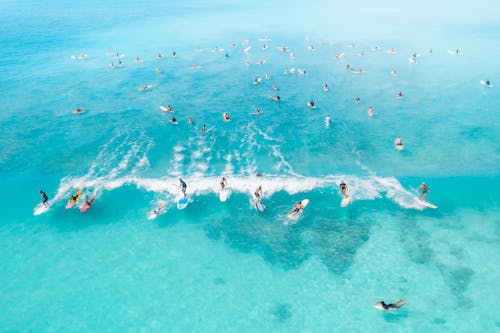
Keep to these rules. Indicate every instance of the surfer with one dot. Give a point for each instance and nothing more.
(203, 129)
(325, 87)
(394, 73)
(223, 183)
(45, 198)
(90, 200)
(258, 193)
(277, 98)
(190, 121)
(183, 186)
(226, 116)
(370, 111)
(391, 306)
(311, 104)
(487, 82)
(296, 208)
(257, 111)
(423, 191)
(173, 120)
(400, 95)
(343, 188)
(357, 100)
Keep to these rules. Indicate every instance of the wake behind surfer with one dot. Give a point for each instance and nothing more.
(45, 198)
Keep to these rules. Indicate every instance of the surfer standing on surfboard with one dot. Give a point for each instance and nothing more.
(183, 186)
(343, 188)
(223, 183)
(258, 193)
(423, 191)
(45, 198)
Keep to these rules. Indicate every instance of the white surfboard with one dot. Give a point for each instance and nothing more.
(224, 195)
(345, 201)
(426, 204)
(164, 108)
(484, 83)
(260, 207)
(295, 216)
(183, 202)
(162, 207)
(40, 209)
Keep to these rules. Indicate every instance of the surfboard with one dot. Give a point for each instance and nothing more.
(224, 195)
(485, 84)
(162, 207)
(40, 209)
(86, 206)
(426, 204)
(183, 202)
(78, 111)
(260, 207)
(296, 215)
(412, 60)
(345, 201)
(164, 108)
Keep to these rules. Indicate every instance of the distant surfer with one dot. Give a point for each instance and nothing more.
(204, 129)
(423, 191)
(343, 188)
(398, 143)
(223, 183)
(257, 111)
(45, 198)
(370, 111)
(391, 306)
(190, 121)
(394, 73)
(173, 120)
(325, 87)
(183, 186)
(311, 104)
(357, 100)
(296, 209)
(226, 116)
(258, 193)
(400, 95)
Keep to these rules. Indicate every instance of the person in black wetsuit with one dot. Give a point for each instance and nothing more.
(392, 306)
(343, 188)
(183, 186)
(45, 198)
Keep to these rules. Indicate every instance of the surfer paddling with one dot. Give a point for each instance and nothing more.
(296, 209)
(389, 307)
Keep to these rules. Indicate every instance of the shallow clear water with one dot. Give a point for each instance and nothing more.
(224, 266)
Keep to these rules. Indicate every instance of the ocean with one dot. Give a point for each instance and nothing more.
(225, 266)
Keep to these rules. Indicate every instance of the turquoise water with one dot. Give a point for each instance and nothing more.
(225, 266)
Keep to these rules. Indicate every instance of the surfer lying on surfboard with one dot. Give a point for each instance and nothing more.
(296, 209)
(389, 307)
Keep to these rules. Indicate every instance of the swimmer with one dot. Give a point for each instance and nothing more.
(400, 95)
(394, 73)
(325, 87)
(423, 191)
(357, 100)
(190, 121)
(398, 143)
(370, 111)
(174, 54)
(391, 306)
(348, 67)
(277, 98)
(226, 116)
